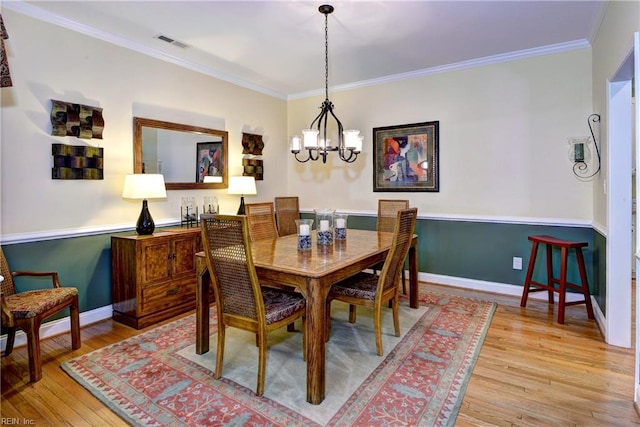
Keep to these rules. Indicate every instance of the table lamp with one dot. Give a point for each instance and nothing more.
(242, 185)
(144, 186)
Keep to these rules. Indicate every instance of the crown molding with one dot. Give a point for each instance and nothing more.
(479, 62)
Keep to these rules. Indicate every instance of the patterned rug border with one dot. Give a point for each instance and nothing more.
(440, 411)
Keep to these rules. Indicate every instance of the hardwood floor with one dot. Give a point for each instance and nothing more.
(530, 372)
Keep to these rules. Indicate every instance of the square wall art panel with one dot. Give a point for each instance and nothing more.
(77, 162)
(77, 120)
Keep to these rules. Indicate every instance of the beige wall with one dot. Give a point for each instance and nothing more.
(613, 42)
(49, 62)
(503, 134)
(503, 140)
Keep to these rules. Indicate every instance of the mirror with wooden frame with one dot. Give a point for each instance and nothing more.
(189, 157)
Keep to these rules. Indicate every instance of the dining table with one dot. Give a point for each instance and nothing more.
(312, 272)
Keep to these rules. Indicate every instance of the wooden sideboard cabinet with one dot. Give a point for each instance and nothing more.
(153, 278)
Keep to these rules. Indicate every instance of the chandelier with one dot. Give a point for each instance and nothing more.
(315, 139)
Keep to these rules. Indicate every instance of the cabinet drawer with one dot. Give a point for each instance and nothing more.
(166, 295)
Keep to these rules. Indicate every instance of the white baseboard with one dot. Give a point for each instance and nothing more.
(481, 285)
(60, 326)
(600, 318)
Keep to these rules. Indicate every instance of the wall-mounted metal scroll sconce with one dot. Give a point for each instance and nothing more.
(580, 151)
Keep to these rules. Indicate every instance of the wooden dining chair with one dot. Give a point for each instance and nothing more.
(372, 290)
(27, 310)
(287, 211)
(386, 221)
(240, 300)
(262, 225)
(262, 221)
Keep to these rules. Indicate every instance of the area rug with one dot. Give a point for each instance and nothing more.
(156, 379)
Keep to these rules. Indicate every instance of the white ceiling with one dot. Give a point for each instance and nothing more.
(277, 47)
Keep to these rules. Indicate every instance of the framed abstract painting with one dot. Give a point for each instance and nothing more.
(209, 162)
(405, 157)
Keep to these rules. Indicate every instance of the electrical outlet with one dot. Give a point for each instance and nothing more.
(517, 263)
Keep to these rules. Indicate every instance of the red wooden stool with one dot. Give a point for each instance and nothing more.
(565, 246)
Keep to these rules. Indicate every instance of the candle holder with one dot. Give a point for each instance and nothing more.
(188, 212)
(304, 234)
(324, 226)
(340, 226)
(210, 205)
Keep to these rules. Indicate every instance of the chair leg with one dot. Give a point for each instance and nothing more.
(527, 282)
(11, 337)
(550, 281)
(562, 284)
(75, 325)
(585, 283)
(262, 362)
(377, 327)
(220, 352)
(396, 315)
(352, 313)
(33, 348)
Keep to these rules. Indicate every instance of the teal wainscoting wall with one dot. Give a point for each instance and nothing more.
(599, 290)
(485, 251)
(481, 251)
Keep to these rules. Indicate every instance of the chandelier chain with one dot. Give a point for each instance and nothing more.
(326, 56)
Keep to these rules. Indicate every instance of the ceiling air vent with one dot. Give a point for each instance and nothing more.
(170, 41)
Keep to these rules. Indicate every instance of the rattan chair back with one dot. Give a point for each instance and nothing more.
(227, 248)
(262, 221)
(405, 225)
(7, 285)
(287, 211)
(387, 213)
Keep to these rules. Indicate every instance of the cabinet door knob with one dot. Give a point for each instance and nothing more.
(172, 291)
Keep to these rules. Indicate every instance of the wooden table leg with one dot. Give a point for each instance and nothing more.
(316, 296)
(202, 311)
(413, 275)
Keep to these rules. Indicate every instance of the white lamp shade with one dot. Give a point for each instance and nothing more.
(144, 186)
(242, 185)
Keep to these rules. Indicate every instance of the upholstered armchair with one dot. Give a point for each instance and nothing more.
(26, 311)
